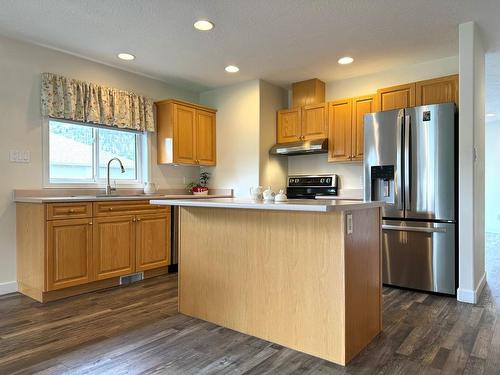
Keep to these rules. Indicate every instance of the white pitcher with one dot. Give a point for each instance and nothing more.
(150, 188)
(256, 193)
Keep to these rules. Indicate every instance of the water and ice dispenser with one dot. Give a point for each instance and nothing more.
(382, 183)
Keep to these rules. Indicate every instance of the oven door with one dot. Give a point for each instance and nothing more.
(419, 255)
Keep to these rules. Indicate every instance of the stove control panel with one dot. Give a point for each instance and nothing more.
(313, 181)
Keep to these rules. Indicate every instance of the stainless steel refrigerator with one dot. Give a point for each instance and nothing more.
(410, 163)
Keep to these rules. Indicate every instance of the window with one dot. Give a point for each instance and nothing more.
(79, 154)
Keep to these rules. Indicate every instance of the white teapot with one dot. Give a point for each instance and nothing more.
(268, 194)
(256, 193)
(150, 188)
(281, 196)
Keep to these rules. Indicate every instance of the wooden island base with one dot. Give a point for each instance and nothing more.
(297, 279)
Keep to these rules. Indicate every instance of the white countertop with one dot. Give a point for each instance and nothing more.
(291, 205)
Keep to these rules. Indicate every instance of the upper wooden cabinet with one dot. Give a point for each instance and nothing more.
(205, 137)
(360, 106)
(437, 90)
(396, 97)
(289, 127)
(346, 128)
(306, 123)
(431, 91)
(184, 121)
(314, 121)
(186, 133)
(339, 130)
(308, 92)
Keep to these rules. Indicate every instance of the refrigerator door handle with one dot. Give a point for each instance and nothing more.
(399, 176)
(414, 229)
(407, 161)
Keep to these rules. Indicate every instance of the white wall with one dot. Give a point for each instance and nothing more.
(492, 167)
(471, 163)
(20, 123)
(351, 174)
(273, 169)
(237, 136)
(369, 84)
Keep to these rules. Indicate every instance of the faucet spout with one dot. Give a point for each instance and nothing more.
(109, 189)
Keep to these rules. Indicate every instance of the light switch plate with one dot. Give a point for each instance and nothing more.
(19, 156)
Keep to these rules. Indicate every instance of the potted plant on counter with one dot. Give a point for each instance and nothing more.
(199, 188)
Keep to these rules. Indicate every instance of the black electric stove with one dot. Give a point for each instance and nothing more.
(309, 187)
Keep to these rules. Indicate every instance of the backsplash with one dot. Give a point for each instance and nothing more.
(350, 174)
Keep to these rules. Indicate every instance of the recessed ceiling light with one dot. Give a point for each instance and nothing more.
(126, 56)
(345, 60)
(203, 25)
(491, 114)
(232, 69)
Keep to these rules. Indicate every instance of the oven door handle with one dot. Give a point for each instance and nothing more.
(414, 229)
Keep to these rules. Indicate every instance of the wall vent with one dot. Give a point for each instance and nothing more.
(132, 278)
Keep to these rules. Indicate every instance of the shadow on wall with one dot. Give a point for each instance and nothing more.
(492, 166)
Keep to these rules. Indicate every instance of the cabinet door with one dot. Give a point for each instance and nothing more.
(339, 130)
(114, 246)
(360, 106)
(205, 138)
(396, 97)
(69, 253)
(184, 134)
(314, 121)
(152, 241)
(438, 90)
(289, 125)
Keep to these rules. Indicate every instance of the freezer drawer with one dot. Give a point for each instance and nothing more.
(419, 255)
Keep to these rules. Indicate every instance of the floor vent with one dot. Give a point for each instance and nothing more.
(132, 278)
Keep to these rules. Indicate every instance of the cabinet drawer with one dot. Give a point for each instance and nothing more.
(126, 207)
(68, 210)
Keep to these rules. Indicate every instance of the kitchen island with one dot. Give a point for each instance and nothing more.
(304, 274)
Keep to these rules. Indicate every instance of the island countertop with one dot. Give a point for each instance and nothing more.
(310, 205)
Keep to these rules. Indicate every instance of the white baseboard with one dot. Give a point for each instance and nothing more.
(469, 295)
(9, 287)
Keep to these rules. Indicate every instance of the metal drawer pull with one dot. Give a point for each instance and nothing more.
(414, 229)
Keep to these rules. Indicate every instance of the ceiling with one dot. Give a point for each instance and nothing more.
(277, 40)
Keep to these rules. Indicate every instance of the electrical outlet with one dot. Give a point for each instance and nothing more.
(350, 227)
(18, 156)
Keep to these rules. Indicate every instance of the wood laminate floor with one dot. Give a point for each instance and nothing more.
(137, 330)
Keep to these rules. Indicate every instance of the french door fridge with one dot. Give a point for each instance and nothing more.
(410, 163)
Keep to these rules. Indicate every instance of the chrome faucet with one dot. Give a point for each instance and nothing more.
(109, 189)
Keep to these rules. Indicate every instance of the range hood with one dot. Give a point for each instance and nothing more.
(317, 146)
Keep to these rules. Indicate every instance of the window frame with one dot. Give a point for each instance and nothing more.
(141, 164)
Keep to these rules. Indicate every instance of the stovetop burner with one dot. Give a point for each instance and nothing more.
(308, 187)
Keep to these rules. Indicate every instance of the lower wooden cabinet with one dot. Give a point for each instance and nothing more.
(69, 251)
(114, 246)
(74, 254)
(152, 241)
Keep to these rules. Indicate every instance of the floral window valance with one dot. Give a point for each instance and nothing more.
(70, 99)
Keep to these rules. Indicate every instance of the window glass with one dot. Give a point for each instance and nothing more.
(71, 151)
(80, 153)
(117, 144)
